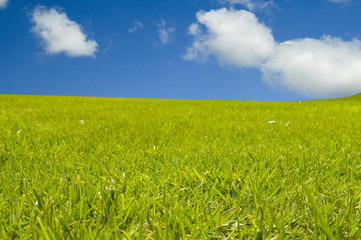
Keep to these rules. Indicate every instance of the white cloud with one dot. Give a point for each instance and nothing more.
(61, 35)
(329, 67)
(250, 4)
(234, 37)
(165, 33)
(326, 67)
(136, 27)
(3, 3)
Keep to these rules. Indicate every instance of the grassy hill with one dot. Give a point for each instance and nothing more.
(107, 168)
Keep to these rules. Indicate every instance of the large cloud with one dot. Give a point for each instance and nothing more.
(3, 3)
(326, 67)
(234, 37)
(61, 35)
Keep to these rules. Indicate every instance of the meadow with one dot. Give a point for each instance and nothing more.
(117, 168)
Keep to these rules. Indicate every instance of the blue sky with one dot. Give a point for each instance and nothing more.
(191, 49)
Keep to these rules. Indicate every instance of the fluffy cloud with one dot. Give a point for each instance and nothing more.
(326, 67)
(165, 33)
(234, 37)
(61, 35)
(3, 3)
(321, 68)
(251, 4)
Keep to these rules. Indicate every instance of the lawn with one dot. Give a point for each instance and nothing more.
(117, 168)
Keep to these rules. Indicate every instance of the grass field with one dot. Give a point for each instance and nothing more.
(113, 168)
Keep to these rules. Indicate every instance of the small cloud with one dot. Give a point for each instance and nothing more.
(252, 5)
(165, 33)
(3, 3)
(341, 1)
(59, 34)
(136, 27)
(194, 29)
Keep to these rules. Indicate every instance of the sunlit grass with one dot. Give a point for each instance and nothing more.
(110, 168)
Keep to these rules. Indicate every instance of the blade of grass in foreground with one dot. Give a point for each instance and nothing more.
(323, 223)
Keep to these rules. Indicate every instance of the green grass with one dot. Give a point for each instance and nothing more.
(112, 168)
